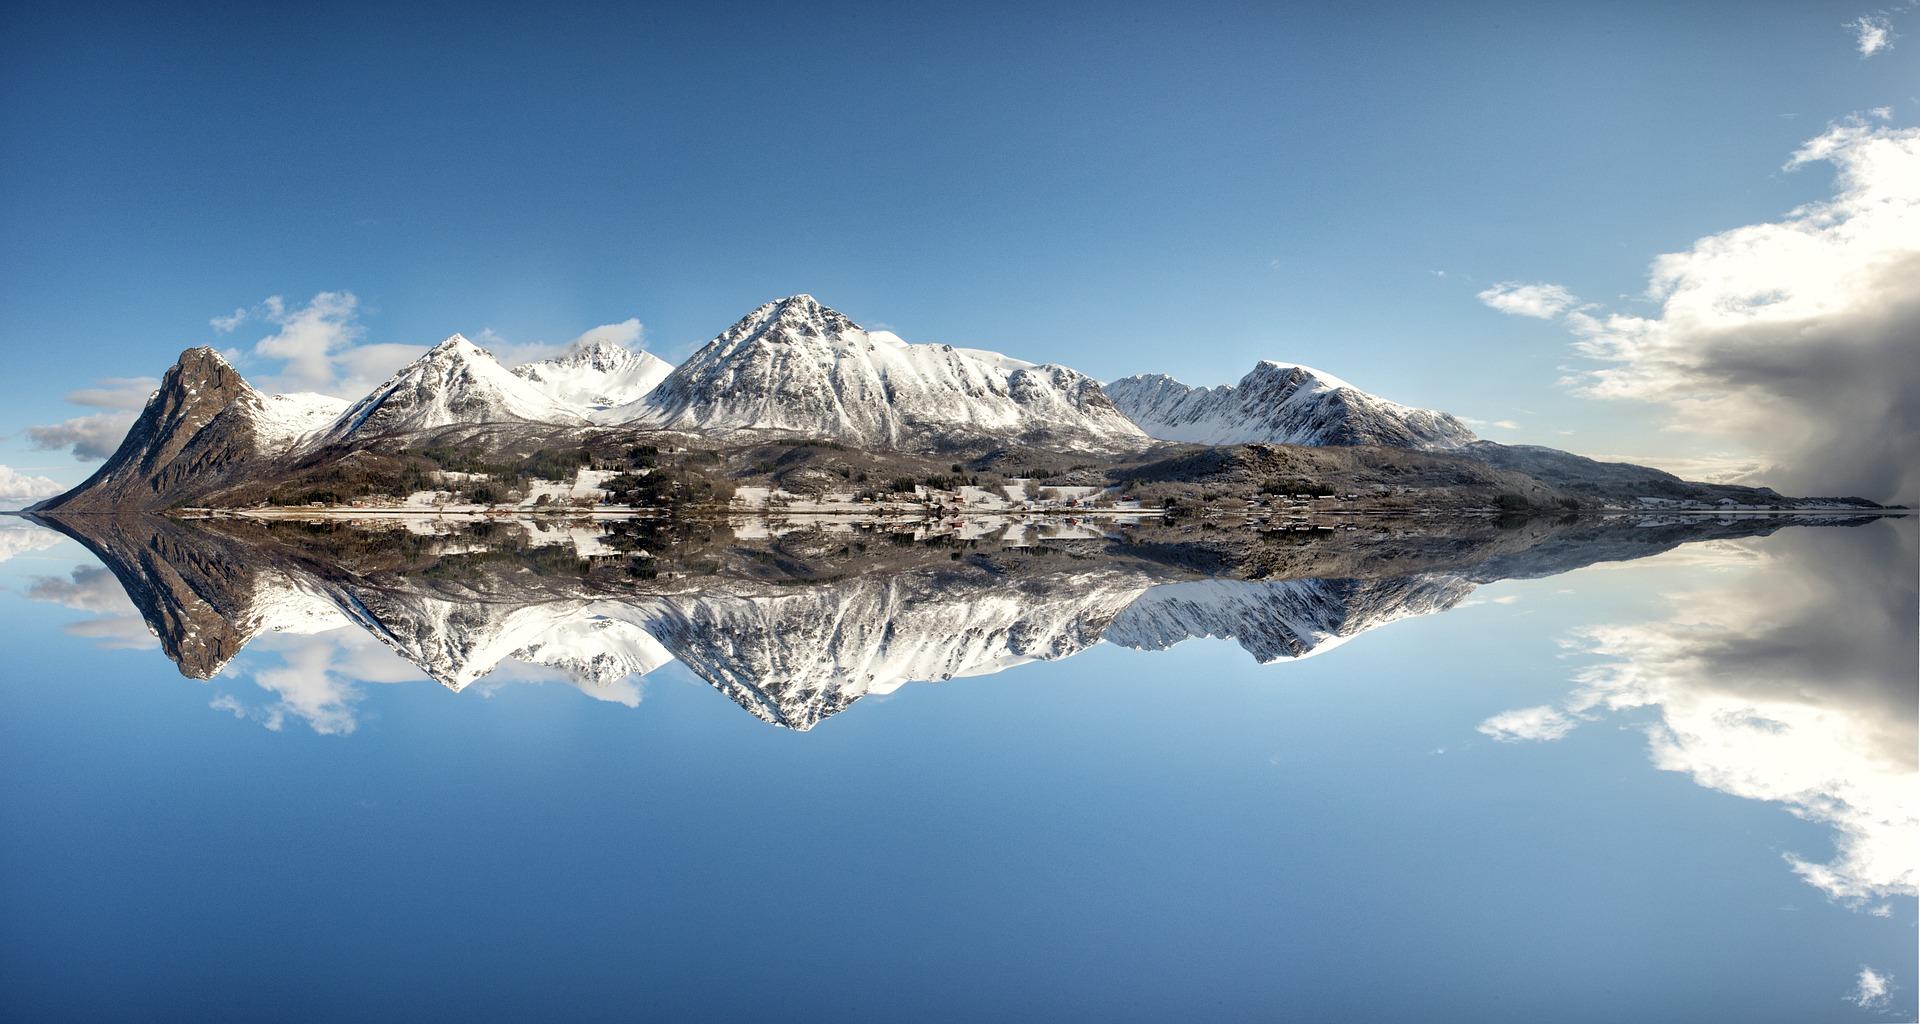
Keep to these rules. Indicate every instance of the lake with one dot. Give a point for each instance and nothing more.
(1646, 769)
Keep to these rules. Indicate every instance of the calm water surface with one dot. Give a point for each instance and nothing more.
(1511, 786)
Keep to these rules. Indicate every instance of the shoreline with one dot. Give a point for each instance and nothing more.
(478, 512)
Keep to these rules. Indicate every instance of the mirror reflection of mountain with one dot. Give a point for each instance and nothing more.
(795, 623)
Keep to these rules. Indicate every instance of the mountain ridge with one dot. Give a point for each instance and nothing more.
(1281, 403)
(796, 373)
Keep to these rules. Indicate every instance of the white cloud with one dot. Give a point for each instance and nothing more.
(1871, 33)
(1871, 989)
(317, 346)
(1541, 300)
(626, 333)
(17, 488)
(1791, 341)
(90, 438)
(226, 324)
(309, 338)
(1536, 724)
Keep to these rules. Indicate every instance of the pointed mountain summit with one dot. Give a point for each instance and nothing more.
(794, 366)
(1281, 403)
(455, 383)
(597, 377)
(198, 433)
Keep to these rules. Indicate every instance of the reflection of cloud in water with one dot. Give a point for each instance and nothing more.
(315, 678)
(116, 623)
(18, 537)
(1791, 685)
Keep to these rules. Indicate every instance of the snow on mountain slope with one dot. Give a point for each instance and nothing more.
(287, 420)
(283, 602)
(796, 366)
(1281, 403)
(455, 383)
(597, 378)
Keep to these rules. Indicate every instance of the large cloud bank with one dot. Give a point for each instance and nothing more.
(1796, 340)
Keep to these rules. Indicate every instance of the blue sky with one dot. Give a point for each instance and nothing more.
(1121, 189)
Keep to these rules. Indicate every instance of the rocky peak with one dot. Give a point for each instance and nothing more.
(199, 426)
(793, 318)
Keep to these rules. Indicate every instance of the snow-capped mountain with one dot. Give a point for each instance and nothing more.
(795, 366)
(795, 371)
(597, 379)
(457, 383)
(1281, 403)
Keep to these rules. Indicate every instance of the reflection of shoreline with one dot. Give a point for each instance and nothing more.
(742, 603)
(922, 511)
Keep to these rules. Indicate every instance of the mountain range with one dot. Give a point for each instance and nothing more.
(794, 372)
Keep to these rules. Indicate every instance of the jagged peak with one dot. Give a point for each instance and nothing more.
(457, 344)
(792, 317)
(1265, 366)
(202, 356)
(600, 354)
(1151, 378)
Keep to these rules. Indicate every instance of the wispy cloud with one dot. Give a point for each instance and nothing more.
(93, 437)
(1871, 989)
(1540, 300)
(1535, 724)
(1872, 33)
(116, 393)
(89, 438)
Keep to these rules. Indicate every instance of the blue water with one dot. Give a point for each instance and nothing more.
(321, 833)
